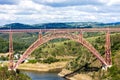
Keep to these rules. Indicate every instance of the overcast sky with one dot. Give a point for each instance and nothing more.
(44, 11)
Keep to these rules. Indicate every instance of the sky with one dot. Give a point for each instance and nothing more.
(49, 11)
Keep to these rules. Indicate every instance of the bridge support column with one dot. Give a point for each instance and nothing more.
(10, 66)
(40, 36)
(81, 36)
(108, 50)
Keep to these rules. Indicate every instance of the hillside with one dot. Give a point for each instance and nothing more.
(21, 41)
(59, 25)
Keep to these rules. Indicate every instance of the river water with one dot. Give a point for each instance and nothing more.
(43, 76)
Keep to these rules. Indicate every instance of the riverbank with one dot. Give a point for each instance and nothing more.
(53, 67)
(76, 76)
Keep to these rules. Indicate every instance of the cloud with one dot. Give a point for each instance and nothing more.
(114, 2)
(43, 11)
(64, 3)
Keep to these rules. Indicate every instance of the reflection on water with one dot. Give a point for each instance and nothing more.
(43, 76)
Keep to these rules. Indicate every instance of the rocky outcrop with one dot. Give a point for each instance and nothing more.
(64, 73)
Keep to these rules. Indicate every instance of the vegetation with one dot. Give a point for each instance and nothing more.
(3, 45)
(59, 25)
(3, 58)
(32, 61)
(50, 60)
(21, 41)
(113, 73)
(12, 75)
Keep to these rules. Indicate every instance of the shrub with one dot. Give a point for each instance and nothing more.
(12, 75)
(3, 58)
(32, 61)
(114, 73)
(50, 60)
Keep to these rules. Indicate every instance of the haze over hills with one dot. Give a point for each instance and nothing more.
(59, 25)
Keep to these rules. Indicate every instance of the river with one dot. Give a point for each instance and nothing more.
(43, 76)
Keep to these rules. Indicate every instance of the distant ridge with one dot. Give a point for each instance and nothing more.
(59, 25)
(16, 26)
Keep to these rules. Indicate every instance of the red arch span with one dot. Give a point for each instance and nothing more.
(51, 36)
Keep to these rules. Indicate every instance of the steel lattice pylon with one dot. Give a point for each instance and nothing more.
(108, 49)
(10, 67)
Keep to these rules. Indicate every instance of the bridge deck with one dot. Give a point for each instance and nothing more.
(61, 30)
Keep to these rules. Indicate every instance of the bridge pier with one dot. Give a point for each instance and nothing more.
(10, 65)
(81, 36)
(40, 36)
(108, 50)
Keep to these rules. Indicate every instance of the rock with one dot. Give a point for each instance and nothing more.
(76, 76)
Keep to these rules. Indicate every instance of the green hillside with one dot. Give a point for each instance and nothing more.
(21, 41)
(59, 25)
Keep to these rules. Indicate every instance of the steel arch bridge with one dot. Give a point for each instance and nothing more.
(62, 33)
(51, 36)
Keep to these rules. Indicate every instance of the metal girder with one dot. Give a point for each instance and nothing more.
(108, 49)
(61, 30)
